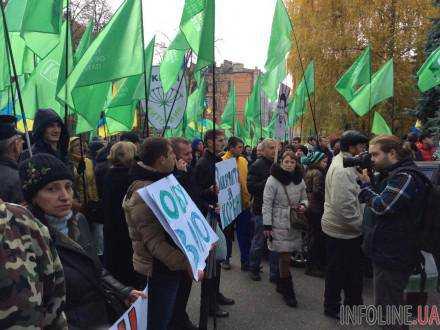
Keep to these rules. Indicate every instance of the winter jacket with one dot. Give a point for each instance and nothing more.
(242, 167)
(86, 306)
(43, 118)
(259, 172)
(390, 216)
(276, 207)
(118, 252)
(10, 187)
(315, 185)
(101, 167)
(153, 249)
(343, 212)
(204, 178)
(427, 153)
(89, 175)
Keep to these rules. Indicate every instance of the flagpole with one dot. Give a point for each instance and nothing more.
(177, 92)
(369, 99)
(17, 85)
(305, 82)
(146, 122)
(66, 108)
(261, 118)
(11, 85)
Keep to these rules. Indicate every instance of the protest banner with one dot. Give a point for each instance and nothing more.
(229, 197)
(181, 219)
(136, 317)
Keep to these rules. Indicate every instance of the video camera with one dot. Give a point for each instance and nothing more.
(362, 161)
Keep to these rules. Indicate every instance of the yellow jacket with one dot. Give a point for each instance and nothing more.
(242, 167)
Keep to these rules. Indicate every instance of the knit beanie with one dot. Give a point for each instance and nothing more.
(312, 158)
(40, 170)
(195, 143)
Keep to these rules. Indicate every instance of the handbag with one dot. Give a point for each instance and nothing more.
(297, 220)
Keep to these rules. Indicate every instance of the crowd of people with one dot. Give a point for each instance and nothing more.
(79, 244)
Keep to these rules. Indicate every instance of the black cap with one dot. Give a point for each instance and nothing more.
(352, 138)
(7, 127)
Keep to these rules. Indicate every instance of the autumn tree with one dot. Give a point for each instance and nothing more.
(82, 11)
(334, 32)
(428, 107)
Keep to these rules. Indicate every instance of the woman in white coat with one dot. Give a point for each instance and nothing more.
(284, 202)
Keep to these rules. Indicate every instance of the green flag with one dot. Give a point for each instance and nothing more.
(41, 25)
(198, 27)
(195, 104)
(269, 129)
(173, 61)
(85, 41)
(358, 75)
(253, 104)
(115, 53)
(380, 88)
(297, 106)
(279, 46)
(230, 112)
(5, 79)
(429, 73)
(42, 85)
(380, 126)
(133, 88)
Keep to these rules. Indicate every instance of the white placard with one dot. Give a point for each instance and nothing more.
(229, 197)
(136, 317)
(181, 219)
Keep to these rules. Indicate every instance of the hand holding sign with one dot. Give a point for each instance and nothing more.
(182, 220)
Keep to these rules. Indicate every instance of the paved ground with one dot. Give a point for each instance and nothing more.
(259, 306)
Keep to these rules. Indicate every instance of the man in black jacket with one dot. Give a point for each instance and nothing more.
(11, 146)
(259, 172)
(49, 135)
(204, 177)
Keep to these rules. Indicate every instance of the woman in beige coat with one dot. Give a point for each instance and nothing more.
(284, 200)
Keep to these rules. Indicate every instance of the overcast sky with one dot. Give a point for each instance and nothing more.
(242, 27)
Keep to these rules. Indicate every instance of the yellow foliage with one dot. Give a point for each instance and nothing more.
(334, 32)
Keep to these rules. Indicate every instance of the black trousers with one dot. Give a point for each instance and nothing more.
(316, 241)
(344, 273)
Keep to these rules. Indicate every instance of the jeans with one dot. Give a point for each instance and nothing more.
(162, 296)
(388, 289)
(98, 236)
(344, 273)
(244, 228)
(257, 248)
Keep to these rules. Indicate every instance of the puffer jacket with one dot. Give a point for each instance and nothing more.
(276, 207)
(153, 249)
(242, 167)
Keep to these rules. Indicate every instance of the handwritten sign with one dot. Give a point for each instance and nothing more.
(229, 197)
(135, 318)
(181, 219)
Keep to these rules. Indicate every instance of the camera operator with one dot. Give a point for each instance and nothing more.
(389, 213)
(341, 224)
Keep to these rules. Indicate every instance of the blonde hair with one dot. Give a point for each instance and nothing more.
(122, 153)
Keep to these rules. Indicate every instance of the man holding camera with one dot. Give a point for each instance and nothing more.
(341, 224)
(391, 211)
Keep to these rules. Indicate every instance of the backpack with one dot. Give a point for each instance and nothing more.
(426, 227)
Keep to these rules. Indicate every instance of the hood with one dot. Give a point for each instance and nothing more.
(43, 118)
(143, 172)
(286, 177)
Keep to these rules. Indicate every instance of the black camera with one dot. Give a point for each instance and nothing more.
(362, 161)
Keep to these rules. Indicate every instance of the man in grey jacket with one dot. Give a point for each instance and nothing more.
(341, 224)
(11, 146)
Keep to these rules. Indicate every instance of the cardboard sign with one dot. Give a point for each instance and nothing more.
(135, 318)
(181, 219)
(229, 197)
